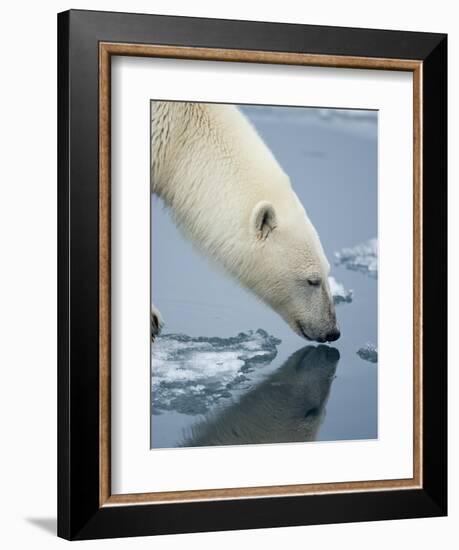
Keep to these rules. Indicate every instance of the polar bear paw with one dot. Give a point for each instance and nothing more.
(157, 322)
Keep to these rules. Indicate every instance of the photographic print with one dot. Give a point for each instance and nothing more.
(264, 272)
(251, 274)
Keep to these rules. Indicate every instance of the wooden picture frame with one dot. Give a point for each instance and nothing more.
(87, 41)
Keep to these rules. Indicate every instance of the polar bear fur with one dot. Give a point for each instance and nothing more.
(228, 194)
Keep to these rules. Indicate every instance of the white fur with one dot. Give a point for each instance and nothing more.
(228, 194)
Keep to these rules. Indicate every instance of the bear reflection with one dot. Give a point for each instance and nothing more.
(288, 407)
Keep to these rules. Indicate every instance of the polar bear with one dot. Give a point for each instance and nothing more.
(228, 195)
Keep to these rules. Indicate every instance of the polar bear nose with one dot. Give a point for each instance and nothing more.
(333, 335)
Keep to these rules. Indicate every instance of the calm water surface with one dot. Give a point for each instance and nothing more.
(212, 385)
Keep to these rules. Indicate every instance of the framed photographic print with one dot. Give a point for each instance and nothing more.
(252, 274)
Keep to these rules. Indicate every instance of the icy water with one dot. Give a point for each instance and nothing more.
(226, 369)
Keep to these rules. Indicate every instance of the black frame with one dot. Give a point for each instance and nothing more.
(79, 514)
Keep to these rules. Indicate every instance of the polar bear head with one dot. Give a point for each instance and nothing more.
(289, 270)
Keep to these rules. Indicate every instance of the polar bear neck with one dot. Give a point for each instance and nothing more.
(210, 167)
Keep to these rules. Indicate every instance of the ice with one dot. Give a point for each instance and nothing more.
(363, 258)
(192, 374)
(369, 353)
(339, 293)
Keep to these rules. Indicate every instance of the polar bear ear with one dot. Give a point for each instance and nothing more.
(263, 219)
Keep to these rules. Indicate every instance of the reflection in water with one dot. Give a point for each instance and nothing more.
(287, 407)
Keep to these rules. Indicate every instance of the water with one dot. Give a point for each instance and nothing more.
(227, 370)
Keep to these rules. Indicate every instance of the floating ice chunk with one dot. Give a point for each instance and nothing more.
(191, 374)
(363, 258)
(339, 293)
(369, 353)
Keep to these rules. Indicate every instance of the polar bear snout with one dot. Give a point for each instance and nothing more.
(330, 336)
(316, 317)
(333, 335)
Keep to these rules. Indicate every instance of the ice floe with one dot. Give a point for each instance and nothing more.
(339, 293)
(192, 374)
(369, 353)
(363, 258)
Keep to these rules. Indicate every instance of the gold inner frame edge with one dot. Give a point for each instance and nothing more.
(106, 50)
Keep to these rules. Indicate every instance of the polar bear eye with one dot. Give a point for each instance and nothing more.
(314, 281)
